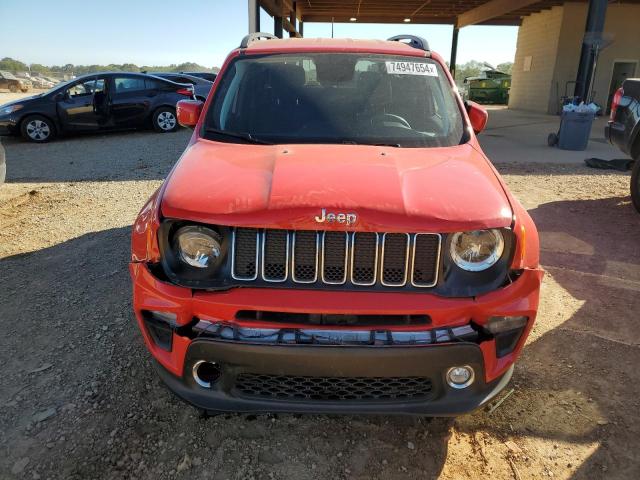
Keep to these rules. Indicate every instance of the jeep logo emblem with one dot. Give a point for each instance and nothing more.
(330, 217)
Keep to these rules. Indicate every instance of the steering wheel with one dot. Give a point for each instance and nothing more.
(391, 118)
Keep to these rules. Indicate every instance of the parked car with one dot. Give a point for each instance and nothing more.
(42, 83)
(623, 129)
(333, 239)
(100, 101)
(206, 75)
(201, 86)
(53, 80)
(13, 83)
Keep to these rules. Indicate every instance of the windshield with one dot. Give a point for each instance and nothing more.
(335, 98)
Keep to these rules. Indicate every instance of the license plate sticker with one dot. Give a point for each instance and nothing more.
(412, 68)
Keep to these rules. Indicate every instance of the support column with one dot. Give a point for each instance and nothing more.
(454, 51)
(593, 34)
(277, 26)
(301, 28)
(254, 16)
(292, 19)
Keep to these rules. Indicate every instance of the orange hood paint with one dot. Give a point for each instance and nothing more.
(286, 186)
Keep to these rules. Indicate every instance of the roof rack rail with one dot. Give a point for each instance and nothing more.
(254, 37)
(413, 41)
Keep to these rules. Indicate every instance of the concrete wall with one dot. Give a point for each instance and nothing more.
(623, 24)
(537, 38)
(553, 39)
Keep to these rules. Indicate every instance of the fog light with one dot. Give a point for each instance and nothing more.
(460, 377)
(206, 373)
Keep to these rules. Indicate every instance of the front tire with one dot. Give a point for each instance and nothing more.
(164, 120)
(37, 129)
(635, 184)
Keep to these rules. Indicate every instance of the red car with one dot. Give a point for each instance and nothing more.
(333, 239)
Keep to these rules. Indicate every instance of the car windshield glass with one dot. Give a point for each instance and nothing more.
(336, 98)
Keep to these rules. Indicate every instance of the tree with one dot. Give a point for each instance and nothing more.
(8, 63)
(506, 67)
(469, 69)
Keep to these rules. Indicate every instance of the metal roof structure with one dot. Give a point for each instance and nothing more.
(291, 15)
(460, 13)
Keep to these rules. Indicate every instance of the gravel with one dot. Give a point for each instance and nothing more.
(79, 398)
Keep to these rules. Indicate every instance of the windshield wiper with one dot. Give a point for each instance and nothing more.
(247, 137)
(353, 142)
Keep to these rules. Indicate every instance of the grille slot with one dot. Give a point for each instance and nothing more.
(334, 257)
(395, 259)
(305, 257)
(245, 254)
(275, 254)
(426, 251)
(364, 258)
(327, 389)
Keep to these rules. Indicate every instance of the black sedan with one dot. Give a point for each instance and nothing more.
(206, 75)
(200, 85)
(96, 102)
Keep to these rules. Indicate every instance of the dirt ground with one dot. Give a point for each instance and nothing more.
(79, 398)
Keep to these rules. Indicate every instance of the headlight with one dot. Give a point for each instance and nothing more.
(11, 109)
(197, 246)
(477, 250)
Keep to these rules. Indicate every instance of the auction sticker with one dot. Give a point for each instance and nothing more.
(412, 68)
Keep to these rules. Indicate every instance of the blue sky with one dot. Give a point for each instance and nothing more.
(161, 32)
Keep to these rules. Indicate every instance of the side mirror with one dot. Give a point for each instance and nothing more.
(188, 112)
(477, 115)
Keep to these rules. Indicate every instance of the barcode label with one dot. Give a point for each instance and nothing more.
(412, 68)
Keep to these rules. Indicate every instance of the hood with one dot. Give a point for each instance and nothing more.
(287, 186)
(20, 100)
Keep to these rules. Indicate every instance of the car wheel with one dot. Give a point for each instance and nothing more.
(164, 120)
(13, 88)
(38, 129)
(635, 184)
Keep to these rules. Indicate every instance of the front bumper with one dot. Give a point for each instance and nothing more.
(8, 125)
(307, 362)
(240, 355)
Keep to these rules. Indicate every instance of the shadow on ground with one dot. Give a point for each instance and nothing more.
(578, 381)
(95, 157)
(80, 398)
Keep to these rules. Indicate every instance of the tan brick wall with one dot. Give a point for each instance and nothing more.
(623, 26)
(538, 38)
(574, 19)
(553, 39)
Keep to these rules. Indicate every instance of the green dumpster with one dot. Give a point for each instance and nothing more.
(492, 86)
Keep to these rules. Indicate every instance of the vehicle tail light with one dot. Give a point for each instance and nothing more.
(186, 92)
(616, 101)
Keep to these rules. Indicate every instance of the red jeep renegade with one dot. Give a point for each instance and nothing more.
(333, 239)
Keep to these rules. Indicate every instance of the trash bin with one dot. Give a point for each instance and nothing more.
(575, 129)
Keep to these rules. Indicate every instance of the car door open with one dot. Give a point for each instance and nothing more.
(82, 105)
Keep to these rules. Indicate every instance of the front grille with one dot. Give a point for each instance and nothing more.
(303, 388)
(395, 258)
(275, 252)
(336, 258)
(245, 254)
